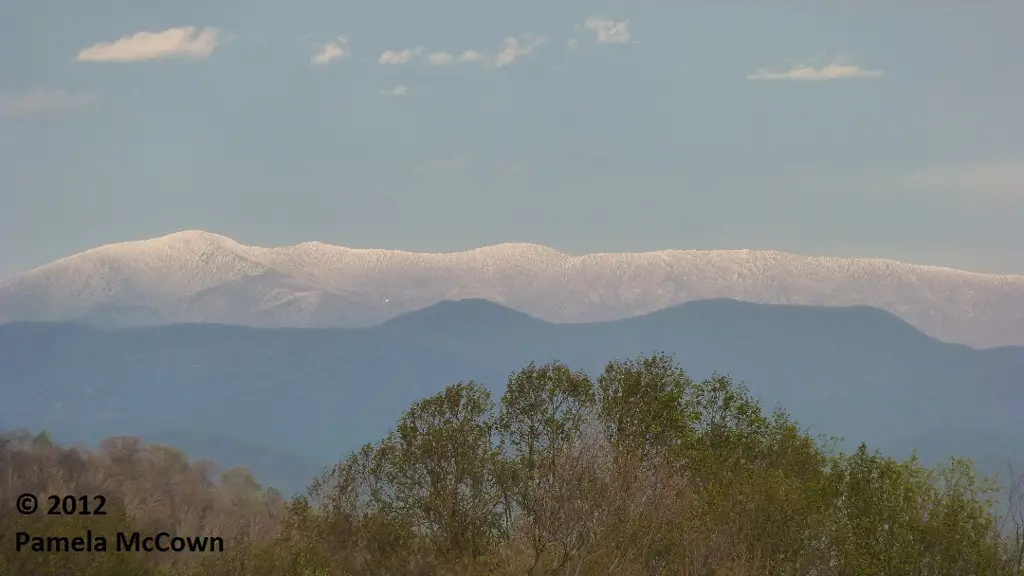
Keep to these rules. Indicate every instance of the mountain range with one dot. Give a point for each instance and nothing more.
(195, 276)
(295, 398)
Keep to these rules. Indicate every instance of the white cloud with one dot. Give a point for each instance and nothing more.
(572, 45)
(472, 56)
(974, 181)
(609, 31)
(332, 51)
(513, 49)
(400, 56)
(440, 58)
(397, 91)
(40, 100)
(835, 71)
(185, 42)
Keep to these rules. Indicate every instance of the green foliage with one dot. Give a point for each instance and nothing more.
(644, 406)
(437, 470)
(42, 441)
(542, 412)
(896, 517)
(542, 416)
(431, 483)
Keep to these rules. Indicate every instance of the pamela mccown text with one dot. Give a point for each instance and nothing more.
(123, 542)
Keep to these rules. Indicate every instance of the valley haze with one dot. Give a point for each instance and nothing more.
(201, 277)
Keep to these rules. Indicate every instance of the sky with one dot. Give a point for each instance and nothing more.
(854, 129)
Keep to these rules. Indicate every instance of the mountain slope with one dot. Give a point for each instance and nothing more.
(855, 372)
(197, 276)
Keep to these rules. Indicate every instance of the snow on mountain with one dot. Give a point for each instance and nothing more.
(196, 276)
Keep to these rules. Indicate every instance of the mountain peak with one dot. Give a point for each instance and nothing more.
(185, 240)
(193, 235)
(521, 247)
(462, 314)
(191, 238)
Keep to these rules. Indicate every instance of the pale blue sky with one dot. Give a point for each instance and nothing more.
(655, 132)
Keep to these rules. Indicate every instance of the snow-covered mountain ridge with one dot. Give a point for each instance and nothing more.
(196, 276)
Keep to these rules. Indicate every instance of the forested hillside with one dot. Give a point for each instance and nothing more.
(639, 471)
(858, 373)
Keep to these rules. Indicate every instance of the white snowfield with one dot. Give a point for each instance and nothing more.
(196, 276)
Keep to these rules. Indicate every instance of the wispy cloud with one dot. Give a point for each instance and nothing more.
(186, 42)
(514, 48)
(400, 56)
(41, 100)
(472, 56)
(396, 92)
(332, 51)
(609, 31)
(835, 71)
(571, 46)
(440, 58)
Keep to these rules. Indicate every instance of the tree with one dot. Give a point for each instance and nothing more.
(436, 471)
(644, 406)
(541, 423)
